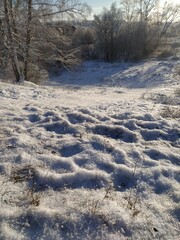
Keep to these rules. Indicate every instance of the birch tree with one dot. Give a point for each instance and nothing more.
(30, 26)
(28, 39)
(11, 31)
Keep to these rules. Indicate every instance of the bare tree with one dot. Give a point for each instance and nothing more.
(26, 21)
(139, 32)
(11, 31)
(107, 26)
(28, 39)
(71, 8)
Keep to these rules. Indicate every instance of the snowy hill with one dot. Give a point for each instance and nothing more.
(93, 154)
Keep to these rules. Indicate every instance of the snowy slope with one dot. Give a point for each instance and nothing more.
(93, 154)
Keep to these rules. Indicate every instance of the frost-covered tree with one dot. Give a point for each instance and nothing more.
(146, 22)
(31, 37)
(10, 37)
(135, 29)
(107, 26)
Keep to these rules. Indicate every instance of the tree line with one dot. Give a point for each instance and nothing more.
(133, 29)
(38, 35)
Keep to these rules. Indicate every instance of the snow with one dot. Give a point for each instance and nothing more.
(90, 154)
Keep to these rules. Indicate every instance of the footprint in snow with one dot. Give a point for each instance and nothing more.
(120, 133)
(34, 118)
(71, 150)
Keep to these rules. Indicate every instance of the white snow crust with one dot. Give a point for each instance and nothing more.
(89, 155)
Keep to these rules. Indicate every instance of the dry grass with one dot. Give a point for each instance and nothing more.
(170, 112)
(177, 91)
(177, 70)
(27, 174)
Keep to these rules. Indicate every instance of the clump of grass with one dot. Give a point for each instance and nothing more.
(172, 99)
(27, 174)
(22, 174)
(170, 112)
(96, 205)
(177, 91)
(177, 69)
(133, 200)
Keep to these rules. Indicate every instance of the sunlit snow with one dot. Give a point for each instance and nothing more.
(92, 154)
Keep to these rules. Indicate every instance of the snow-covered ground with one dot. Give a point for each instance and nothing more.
(92, 154)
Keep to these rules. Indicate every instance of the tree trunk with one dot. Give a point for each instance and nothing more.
(28, 40)
(12, 47)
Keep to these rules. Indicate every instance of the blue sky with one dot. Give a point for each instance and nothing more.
(97, 5)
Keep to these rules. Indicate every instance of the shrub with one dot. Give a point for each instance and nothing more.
(36, 74)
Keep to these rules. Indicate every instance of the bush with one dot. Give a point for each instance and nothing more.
(36, 74)
(84, 39)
